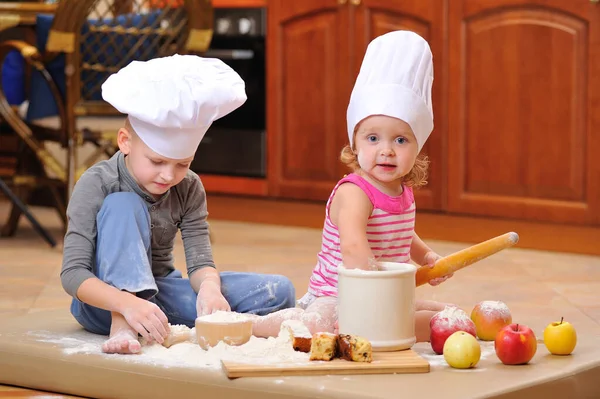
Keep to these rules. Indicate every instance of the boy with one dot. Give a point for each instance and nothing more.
(125, 212)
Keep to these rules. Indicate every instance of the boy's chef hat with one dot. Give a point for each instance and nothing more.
(172, 101)
(395, 79)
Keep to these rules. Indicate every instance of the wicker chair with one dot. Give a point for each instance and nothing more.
(77, 49)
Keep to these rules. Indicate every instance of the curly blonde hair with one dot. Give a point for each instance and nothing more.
(417, 177)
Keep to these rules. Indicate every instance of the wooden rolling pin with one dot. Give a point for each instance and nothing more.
(465, 257)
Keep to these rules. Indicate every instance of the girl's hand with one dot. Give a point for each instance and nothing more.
(210, 299)
(146, 318)
(429, 260)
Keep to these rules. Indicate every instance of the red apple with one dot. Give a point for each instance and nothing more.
(489, 318)
(515, 344)
(445, 323)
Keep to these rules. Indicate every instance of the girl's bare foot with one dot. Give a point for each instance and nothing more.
(319, 316)
(269, 325)
(123, 338)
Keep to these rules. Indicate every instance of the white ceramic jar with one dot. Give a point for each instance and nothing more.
(379, 305)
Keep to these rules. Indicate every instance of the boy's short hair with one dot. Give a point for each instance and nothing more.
(127, 126)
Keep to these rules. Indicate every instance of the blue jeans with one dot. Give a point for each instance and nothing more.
(123, 260)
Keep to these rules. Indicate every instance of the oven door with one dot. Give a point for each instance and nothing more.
(235, 145)
(246, 56)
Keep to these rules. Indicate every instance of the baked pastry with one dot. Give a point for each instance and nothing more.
(299, 334)
(354, 348)
(323, 346)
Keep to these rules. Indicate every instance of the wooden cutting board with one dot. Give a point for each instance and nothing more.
(406, 361)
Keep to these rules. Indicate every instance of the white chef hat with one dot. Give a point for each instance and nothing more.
(395, 79)
(172, 101)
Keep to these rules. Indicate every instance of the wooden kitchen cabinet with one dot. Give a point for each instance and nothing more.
(524, 109)
(516, 101)
(308, 74)
(314, 52)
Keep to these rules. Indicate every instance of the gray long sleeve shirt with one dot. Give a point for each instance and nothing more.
(182, 207)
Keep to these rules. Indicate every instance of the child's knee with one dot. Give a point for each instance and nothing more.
(123, 200)
(431, 305)
(123, 203)
(422, 321)
(122, 206)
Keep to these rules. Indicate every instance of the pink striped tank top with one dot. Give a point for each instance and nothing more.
(390, 231)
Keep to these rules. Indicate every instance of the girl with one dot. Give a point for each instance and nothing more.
(370, 214)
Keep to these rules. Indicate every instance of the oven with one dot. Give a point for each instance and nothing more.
(235, 145)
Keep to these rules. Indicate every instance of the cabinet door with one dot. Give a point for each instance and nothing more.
(426, 18)
(307, 63)
(524, 109)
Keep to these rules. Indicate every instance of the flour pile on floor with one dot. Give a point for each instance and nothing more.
(187, 354)
(190, 355)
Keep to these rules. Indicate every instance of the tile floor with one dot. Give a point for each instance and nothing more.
(538, 286)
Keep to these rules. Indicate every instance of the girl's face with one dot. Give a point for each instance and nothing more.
(386, 150)
(154, 173)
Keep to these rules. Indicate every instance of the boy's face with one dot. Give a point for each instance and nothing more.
(154, 173)
(386, 148)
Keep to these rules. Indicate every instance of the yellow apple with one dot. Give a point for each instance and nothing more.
(461, 350)
(560, 337)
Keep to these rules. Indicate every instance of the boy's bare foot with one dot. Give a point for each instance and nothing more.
(123, 338)
(124, 341)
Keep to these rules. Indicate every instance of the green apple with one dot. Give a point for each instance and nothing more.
(461, 350)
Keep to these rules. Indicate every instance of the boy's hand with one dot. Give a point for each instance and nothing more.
(146, 318)
(429, 260)
(210, 299)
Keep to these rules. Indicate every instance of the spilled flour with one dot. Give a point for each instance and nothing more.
(274, 350)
